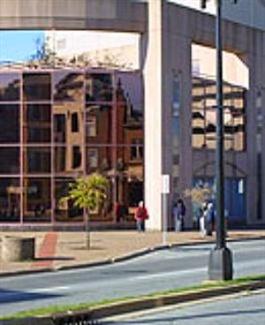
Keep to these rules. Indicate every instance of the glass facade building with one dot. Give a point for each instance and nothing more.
(59, 124)
(204, 142)
(204, 115)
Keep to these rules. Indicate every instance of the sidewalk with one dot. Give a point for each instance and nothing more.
(56, 250)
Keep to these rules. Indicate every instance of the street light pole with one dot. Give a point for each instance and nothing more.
(220, 231)
(220, 262)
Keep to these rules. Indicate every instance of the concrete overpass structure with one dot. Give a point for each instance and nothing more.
(167, 31)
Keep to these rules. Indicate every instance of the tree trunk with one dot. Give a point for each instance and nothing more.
(87, 229)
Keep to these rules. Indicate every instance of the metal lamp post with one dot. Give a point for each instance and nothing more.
(220, 262)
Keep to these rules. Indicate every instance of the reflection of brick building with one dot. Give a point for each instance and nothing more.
(66, 124)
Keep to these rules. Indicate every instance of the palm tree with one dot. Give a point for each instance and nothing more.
(88, 193)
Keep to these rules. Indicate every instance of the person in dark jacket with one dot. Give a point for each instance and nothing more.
(179, 211)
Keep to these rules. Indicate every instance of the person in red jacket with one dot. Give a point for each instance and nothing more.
(140, 216)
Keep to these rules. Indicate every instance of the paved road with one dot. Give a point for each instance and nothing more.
(237, 310)
(161, 270)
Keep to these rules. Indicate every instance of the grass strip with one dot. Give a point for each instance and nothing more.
(59, 309)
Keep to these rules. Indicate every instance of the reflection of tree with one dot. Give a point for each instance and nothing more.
(44, 54)
(199, 194)
(88, 193)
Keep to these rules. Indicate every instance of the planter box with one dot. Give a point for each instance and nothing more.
(15, 249)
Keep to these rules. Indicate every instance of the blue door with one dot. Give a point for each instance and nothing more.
(235, 202)
(235, 197)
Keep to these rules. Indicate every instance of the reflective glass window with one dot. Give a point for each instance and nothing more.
(9, 160)
(129, 109)
(9, 124)
(128, 182)
(9, 87)
(91, 126)
(137, 149)
(37, 160)
(126, 164)
(68, 86)
(204, 116)
(135, 193)
(37, 200)
(37, 113)
(36, 86)
(74, 122)
(98, 124)
(68, 120)
(76, 157)
(100, 159)
(60, 160)
(37, 135)
(99, 87)
(92, 157)
(65, 211)
(59, 122)
(9, 200)
(68, 159)
(37, 123)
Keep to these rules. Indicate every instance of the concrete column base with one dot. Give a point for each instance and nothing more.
(17, 249)
(220, 264)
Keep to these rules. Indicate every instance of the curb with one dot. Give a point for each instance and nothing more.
(122, 258)
(135, 305)
(173, 299)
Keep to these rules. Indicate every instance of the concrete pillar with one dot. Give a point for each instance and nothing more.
(255, 62)
(157, 105)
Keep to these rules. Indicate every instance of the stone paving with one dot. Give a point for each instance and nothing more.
(61, 249)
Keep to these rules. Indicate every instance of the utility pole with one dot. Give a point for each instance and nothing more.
(220, 262)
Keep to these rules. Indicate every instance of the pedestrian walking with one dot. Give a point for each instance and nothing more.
(203, 218)
(179, 211)
(140, 216)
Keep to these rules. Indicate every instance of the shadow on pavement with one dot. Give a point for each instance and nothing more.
(14, 296)
(53, 258)
(84, 248)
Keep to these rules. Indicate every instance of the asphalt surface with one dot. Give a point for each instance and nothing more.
(159, 271)
(236, 310)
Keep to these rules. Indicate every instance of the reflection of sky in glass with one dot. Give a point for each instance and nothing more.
(132, 83)
(17, 46)
(7, 79)
(20, 46)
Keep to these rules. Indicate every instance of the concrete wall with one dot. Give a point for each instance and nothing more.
(183, 27)
(117, 15)
(247, 12)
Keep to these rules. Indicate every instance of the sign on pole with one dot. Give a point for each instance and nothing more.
(165, 184)
(165, 192)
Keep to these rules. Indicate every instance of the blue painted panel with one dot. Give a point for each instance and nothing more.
(235, 197)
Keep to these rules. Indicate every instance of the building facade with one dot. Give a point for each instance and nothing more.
(57, 125)
(179, 123)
